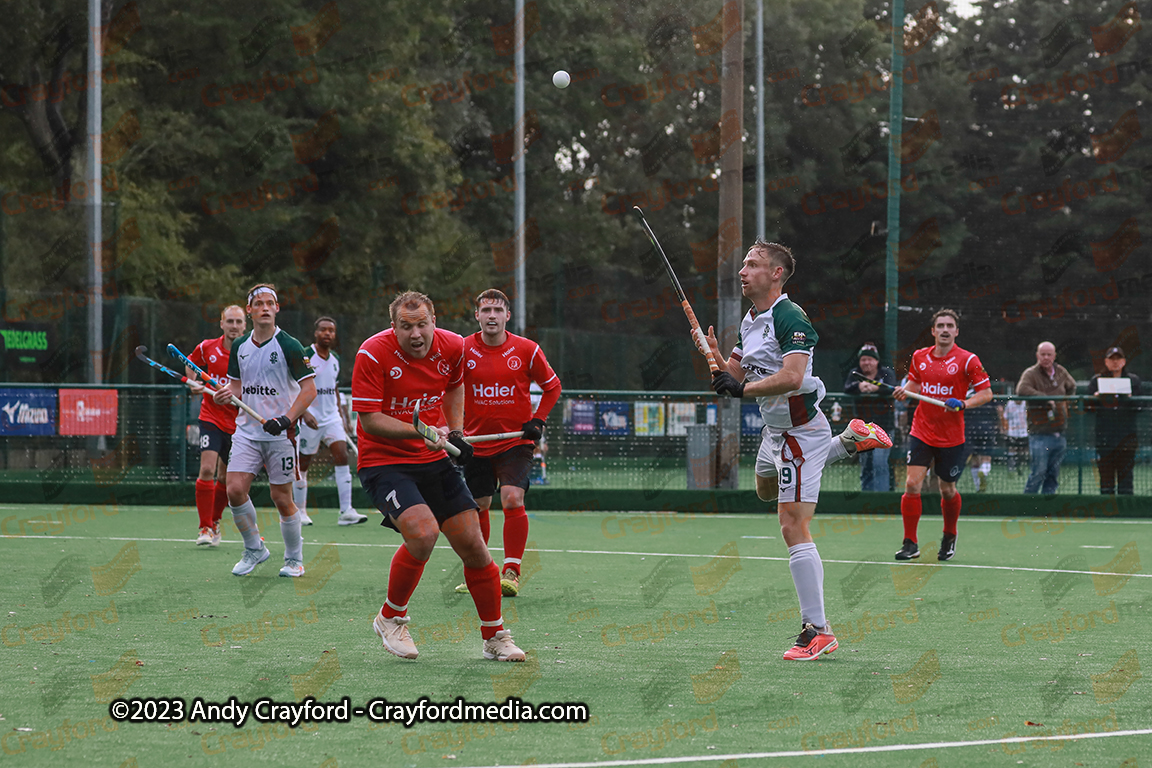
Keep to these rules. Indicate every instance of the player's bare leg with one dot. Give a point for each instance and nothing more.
(483, 580)
(244, 516)
(515, 537)
(816, 637)
(910, 510)
(420, 530)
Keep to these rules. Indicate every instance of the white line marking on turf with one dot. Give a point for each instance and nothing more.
(1097, 546)
(844, 751)
(757, 537)
(611, 552)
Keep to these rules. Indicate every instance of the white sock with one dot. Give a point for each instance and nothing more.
(975, 475)
(344, 487)
(293, 541)
(837, 451)
(244, 516)
(808, 576)
(300, 492)
(985, 467)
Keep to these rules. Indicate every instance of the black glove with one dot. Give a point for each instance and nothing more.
(533, 429)
(456, 438)
(277, 425)
(724, 383)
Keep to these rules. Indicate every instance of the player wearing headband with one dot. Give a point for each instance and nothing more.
(269, 372)
(942, 371)
(324, 423)
(217, 425)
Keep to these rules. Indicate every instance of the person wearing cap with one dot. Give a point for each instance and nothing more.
(876, 407)
(1116, 414)
(1047, 419)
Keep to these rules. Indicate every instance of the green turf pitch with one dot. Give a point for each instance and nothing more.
(670, 629)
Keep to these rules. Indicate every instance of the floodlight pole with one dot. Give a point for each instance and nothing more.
(760, 191)
(518, 316)
(895, 131)
(95, 196)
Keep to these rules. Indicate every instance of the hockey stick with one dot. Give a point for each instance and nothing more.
(206, 379)
(430, 434)
(701, 339)
(142, 354)
(913, 395)
(487, 438)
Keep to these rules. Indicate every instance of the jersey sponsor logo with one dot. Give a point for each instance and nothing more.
(937, 389)
(443, 367)
(756, 369)
(326, 391)
(799, 337)
(260, 389)
(514, 363)
(396, 372)
(409, 403)
(471, 365)
(492, 390)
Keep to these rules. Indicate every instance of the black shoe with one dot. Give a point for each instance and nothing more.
(947, 547)
(908, 551)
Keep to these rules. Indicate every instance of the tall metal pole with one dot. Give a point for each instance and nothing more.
(728, 265)
(518, 315)
(895, 131)
(760, 191)
(95, 196)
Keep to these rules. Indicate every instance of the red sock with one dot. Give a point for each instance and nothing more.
(204, 493)
(910, 511)
(485, 525)
(515, 537)
(403, 577)
(484, 586)
(221, 502)
(951, 510)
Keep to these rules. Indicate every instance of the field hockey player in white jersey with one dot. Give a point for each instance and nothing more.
(325, 423)
(268, 372)
(772, 361)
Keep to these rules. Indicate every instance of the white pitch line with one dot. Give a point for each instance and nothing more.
(629, 553)
(844, 751)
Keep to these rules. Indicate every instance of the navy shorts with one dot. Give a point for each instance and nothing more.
(484, 474)
(394, 488)
(212, 438)
(949, 461)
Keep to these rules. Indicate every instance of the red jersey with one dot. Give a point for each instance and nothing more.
(386, 380)
(212, 358)
(496, 381)
(942, 378)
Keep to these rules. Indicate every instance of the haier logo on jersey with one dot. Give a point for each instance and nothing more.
(937, 389)
(409, 403)
(260, 389)
(395, 372)
(514, 363)
(492, 390)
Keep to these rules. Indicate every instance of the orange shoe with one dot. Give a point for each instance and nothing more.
(865, 436)
(811, 644)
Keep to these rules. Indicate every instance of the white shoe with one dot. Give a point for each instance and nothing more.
(251, 559)
(351, 517)
(292, 568)
(215, 537)
(205, 537)
(395, 636)
(304, 519)
(501, 647)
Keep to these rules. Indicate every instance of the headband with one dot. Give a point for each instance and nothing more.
(262, 289)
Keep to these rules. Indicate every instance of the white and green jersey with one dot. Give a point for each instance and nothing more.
(270, 376)
(324, 408)
(765, 338)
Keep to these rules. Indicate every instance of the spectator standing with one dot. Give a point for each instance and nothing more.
(1116, 439)
(1014, 423)
(874, 407)
(1047, 419)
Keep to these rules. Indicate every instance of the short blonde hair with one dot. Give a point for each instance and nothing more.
(410, 300)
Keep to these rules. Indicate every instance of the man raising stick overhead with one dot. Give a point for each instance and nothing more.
(409, 479)
(942, 371)
(499, 367)
(325, 424)
(268, 372)
(217, 425)
(772, 361)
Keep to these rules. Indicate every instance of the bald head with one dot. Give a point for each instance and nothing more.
(1046, 354)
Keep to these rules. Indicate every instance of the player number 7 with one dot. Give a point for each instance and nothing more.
(392, 498)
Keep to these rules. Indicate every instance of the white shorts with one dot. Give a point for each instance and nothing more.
(310, 439)
(796, 456)
(277, 456)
